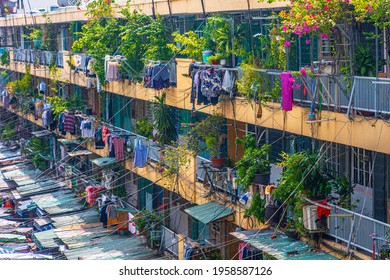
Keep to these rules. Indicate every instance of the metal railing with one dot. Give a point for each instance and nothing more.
(218, 178)
(370, 94)
(356, 230)
(170, 241)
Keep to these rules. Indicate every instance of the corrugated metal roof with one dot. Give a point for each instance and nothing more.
(15, 238)
(58, 202)
(38, 187)
(89, 216)
(104, 161)
(45, 239)
(101, 244)
(282, 247)
(14, 174)
(209, 211)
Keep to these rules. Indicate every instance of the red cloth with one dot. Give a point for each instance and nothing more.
(105, 133)
(119, 148)
(321, 211)
(69, 122)
(91, 194)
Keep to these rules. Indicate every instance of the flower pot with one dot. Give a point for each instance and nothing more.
(205, 55)
(217, 162)
(262, 179)
(214, 62)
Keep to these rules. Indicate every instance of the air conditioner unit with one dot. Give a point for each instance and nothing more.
(310, 217)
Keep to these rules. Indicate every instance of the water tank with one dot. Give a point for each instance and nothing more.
(310, 221)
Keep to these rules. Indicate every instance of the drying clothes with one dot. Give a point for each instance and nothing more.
(119, 144)
(111, 211)
(42, 87)
(99, 143)
(69, 123)
(103, 216)
(47, 117)
(132, 225)
(112, 71)
(87, 129)
(321, 211)
(140, 155)
(105, 133)
(211, 83)
(157, 76)
(228, 82)
(91, 194)
(90, 67)
(39, 108)
(287, 90)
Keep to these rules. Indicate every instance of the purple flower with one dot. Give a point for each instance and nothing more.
(303, 72)
(287, 44)
(298, 86)
(307, 41)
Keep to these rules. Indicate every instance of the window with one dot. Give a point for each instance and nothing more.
(361, 166)
(332, 158)
(327, 47)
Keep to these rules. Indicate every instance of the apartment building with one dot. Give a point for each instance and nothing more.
(342, 117)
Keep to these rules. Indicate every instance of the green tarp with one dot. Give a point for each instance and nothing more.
(209, 212)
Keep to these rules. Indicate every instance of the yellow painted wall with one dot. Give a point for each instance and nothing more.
(371, 135)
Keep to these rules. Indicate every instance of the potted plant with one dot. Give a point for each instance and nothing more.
(208, 135)
(214, 144)
(254, 166)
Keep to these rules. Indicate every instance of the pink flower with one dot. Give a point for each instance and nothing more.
(298, 86)
(324, 36)
(303, 72)
(326, 8)
(284, 28)
(287, 44)
(369, 8)
(307, 41)
(315, 27)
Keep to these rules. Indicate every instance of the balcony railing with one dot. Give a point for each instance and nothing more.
(357, 230)
(170, 241)
(218, 179)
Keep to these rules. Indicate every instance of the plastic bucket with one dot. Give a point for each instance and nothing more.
(205, 55)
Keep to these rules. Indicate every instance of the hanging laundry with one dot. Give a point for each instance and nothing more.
(105, 133)
(47, 117)
(119, 144)
(99, 143)
(229, 79)
(287, 90)
(87, 129)
(39, 108)
(157, 76)
(42, 87)
(140, 154)
(90, 67)
(69, 123)
(112, 71)
(211, 83)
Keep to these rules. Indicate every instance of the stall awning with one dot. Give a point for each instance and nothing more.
(41, 133)
(104, 161)
(80, 153)
(282, 247)
(209, 212)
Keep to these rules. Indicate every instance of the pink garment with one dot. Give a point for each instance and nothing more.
(241, 247)
(119, 148)
(287, 90)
